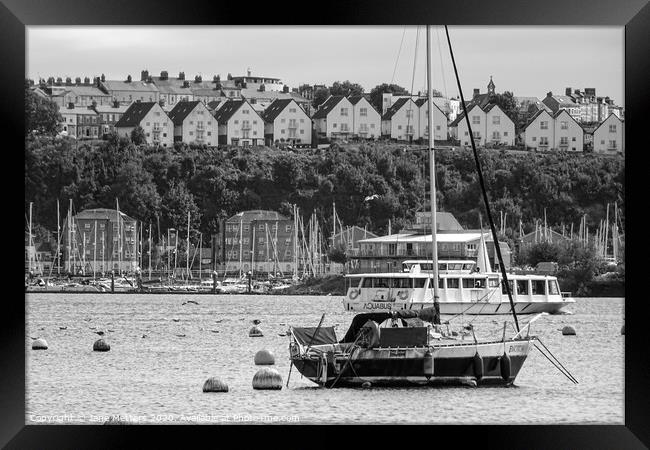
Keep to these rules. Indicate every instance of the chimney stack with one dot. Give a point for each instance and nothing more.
(567, 91)
(476, 92)
(164, 75)
(144, 75)
(181, 75)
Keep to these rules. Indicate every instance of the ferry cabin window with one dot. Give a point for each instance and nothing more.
(522, 287)
(539, 287)
(367, 283)
(419, 282)
(440, 283)
(553, 288)
(402, 283)
(452, 283)
(453, 266)
(493, 282)
(468, 266)
(473, 283)
(503, 288)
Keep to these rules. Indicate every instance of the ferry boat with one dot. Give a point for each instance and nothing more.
(463, 289)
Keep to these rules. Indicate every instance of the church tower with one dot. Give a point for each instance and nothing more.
(491, 87)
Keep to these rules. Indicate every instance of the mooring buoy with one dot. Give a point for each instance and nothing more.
(255, 332)
(264, 358)
(267, 378)
(101, 345)
(568, 331)
(39, 344)
(214, 384)
(366, 385)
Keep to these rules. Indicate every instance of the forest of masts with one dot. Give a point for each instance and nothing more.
(309, 246)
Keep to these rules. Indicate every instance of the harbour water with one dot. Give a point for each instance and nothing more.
(163, 351)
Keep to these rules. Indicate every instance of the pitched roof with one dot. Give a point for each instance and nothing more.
(139, 86)
(532, 119)
(181, 110)
(461, 116)
(111, 108)
(85, 90)
(256, 214)
(77, 110)
(102, 214)
(274, 109)
(564, 100)
(214, 104)
(610, 115)
(134, 115)
(390, 112)
(228, 109)
(327, 107)
(354, 99)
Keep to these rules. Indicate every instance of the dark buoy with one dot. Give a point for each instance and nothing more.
(101, 345)
(428, 364)
(366, 385)
(255, 332)
(478, 366)
(623, 330)
(568, 331)
(264, 358)
(214, 384)
(504, 363)
(267, 378)
(39, 344)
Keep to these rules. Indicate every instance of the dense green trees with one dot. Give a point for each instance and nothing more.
(41, 114)
(160, 185)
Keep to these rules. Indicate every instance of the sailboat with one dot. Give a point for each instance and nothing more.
(410, 346)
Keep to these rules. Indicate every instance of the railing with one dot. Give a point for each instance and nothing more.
(357, 253)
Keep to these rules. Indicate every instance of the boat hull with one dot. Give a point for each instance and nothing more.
(469, 308)
(452, 365)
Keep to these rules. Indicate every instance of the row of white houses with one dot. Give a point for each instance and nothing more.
(233, 122)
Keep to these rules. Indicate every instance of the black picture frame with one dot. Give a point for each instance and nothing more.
(15, 15)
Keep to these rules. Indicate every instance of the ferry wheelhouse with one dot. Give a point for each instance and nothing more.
(463, 289)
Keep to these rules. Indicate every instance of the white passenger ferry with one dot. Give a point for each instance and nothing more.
(463, 289)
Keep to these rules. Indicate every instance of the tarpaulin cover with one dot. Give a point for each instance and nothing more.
(308, 335)
(426, 314)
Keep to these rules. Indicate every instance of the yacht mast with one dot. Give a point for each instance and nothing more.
(432, 180)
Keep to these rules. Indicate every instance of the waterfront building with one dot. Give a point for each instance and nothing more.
(158, 127)
(609, 136)
(258, 241)
(81, 123)
(250, 81)
(562, 102)
(170, 90)
(334, 118)
(439, 120)
(490, 126)
(194, 124)
(366, 121)
(108, 116)
(128, 91)
(80, 94)
(286, 121)
(559, 131)
(239, 124)
(400, 121)
(99, 240)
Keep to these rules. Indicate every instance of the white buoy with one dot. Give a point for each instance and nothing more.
(101, 345)
(39, 344)
(267, 378)
(568, 331)
(264, 358)
(214, 384)
(366, 385)
(255, 332)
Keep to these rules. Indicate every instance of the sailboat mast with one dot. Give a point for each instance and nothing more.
(432, 178)
(95, 251)
(29, 253)
(150, 250)
(119, 240)
(187, 251)
(58, 240)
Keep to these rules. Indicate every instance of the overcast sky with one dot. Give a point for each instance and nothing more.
(529, 61)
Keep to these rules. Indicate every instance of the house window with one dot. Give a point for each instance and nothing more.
(302, 131)
(612, 128)
(292, 110)
(477, 134)
(496, 120)
(344, 111)
(372, 125)
(476, 120)
(399, 127)
(363, 112)
(573, 139)
(543, 140)
(496, 135)
(564, 125)
(505, 133)
(245, 111)
(534, 138)
(236, 122)
(612, 144)
(543, 125)
(564, 140)
(334, 125)
(409, 113)
(466, 133)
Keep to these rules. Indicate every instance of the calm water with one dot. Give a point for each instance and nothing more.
(159, 378)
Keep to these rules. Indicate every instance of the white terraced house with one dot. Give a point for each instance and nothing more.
(439, 120)
(193, 123)
(334, 118)
(490, 126)
(401, 121)
(609, 137)
(366, 121)
(286, 121)
(558, 132)
(239, 124)
(157, 126)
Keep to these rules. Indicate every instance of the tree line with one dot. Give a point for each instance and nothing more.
(161, 185)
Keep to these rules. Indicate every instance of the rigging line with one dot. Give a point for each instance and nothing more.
(556, 366)
(555, 358)
(398, 53)
(482, 184)
(409, 112)
(442, 72)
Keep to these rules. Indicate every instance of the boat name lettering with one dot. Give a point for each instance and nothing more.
(377, 305)
(397, 353)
